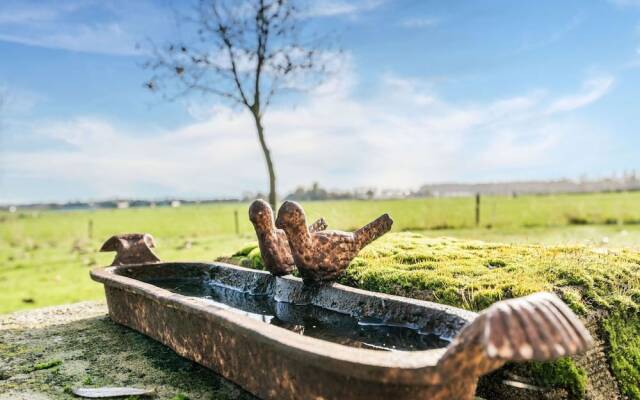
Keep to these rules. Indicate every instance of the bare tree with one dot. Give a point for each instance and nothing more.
(244, 52)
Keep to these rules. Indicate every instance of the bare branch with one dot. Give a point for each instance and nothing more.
(254, 49)
(244, 52)
(223, 31)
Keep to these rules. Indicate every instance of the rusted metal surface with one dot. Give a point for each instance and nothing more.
(274, 363)
(323, 256)
(274, 246)
(131, 248)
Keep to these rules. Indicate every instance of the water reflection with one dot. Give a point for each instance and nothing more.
(308, 320)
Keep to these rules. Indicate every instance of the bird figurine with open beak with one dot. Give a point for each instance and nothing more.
(322, 256)
(274, 246)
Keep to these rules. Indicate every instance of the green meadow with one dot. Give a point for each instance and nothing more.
(45, 256)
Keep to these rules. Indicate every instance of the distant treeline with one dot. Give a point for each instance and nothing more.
(79, 205)
(315, 192)
(629, 182)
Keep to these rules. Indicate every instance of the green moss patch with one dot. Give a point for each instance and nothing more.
(474, 274)
(623, 332)
(562, 373)
(46, 365)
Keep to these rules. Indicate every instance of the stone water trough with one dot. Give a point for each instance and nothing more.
(280, 339)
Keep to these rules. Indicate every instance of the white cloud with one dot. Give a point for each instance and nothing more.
(420, 22)
(104, 39)
(401, 135)
(331, 8)
(543, 39)
(114, 27)
(592, 90)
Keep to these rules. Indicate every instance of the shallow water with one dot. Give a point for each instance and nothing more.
(308, 320)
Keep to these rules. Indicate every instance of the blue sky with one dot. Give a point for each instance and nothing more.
(424, 91)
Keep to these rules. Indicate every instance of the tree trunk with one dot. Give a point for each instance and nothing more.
(267, 158)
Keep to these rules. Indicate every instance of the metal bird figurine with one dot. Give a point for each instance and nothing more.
(131, 248)
(323, 256)
(274, 246)
(536, 327)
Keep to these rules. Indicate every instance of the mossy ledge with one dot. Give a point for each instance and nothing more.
(600, 285)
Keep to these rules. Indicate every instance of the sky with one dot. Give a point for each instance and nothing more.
(422, 92)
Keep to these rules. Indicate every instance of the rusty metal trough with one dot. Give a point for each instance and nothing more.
(276, 363)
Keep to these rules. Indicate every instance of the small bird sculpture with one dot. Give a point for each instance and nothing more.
(322, 256)
(131, 248)
(274, 246)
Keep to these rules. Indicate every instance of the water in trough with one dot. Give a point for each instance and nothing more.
(308, 320)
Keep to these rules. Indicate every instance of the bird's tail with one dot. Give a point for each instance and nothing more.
(373, 230)
(537, 327)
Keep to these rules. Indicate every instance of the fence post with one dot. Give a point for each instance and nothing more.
(235, 217)
(477, 209)
(90, 229)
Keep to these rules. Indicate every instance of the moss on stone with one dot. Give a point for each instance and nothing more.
(46, 365)
(623, 333)
(96, 352)
(245, 250)
(473, 275)
(561, 373)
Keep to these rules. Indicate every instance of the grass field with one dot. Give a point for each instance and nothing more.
(45, 256)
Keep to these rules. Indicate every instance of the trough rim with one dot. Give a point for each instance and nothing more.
(409, 367)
